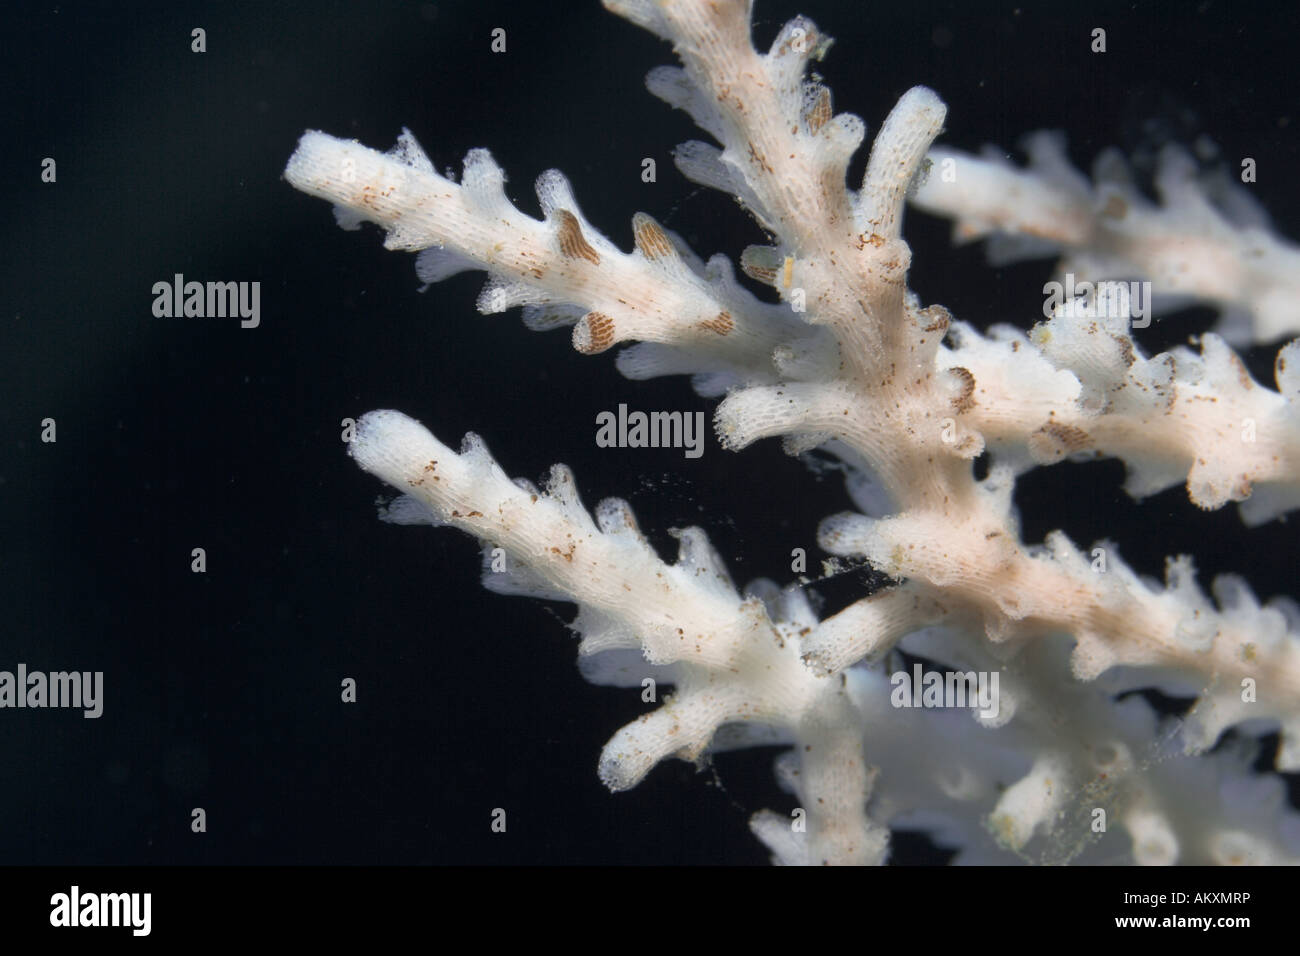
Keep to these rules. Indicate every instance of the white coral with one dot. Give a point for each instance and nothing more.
(905, 397)
(1207, 240)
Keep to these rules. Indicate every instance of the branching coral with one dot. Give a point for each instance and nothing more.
(850, 361)
(1207, 240)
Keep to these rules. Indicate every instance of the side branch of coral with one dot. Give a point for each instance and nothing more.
(1207, 240)
(734, 660)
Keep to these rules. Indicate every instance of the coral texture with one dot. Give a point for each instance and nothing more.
(848, 360)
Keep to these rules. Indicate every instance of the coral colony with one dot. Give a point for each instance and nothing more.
(1027, 747)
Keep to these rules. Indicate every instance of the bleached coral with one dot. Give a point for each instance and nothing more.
(1207, 240)
(850, 361)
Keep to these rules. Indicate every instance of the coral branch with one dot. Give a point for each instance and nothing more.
(850, 362)
(560, 268)
(730, 661)
(1207, 240)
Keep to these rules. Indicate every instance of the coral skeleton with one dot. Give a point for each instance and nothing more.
(849, 360)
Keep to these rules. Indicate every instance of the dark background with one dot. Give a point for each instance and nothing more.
(222, 689)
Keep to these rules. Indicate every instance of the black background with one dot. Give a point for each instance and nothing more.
(222, 689)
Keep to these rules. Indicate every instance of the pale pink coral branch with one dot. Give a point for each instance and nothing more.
(851, 361)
